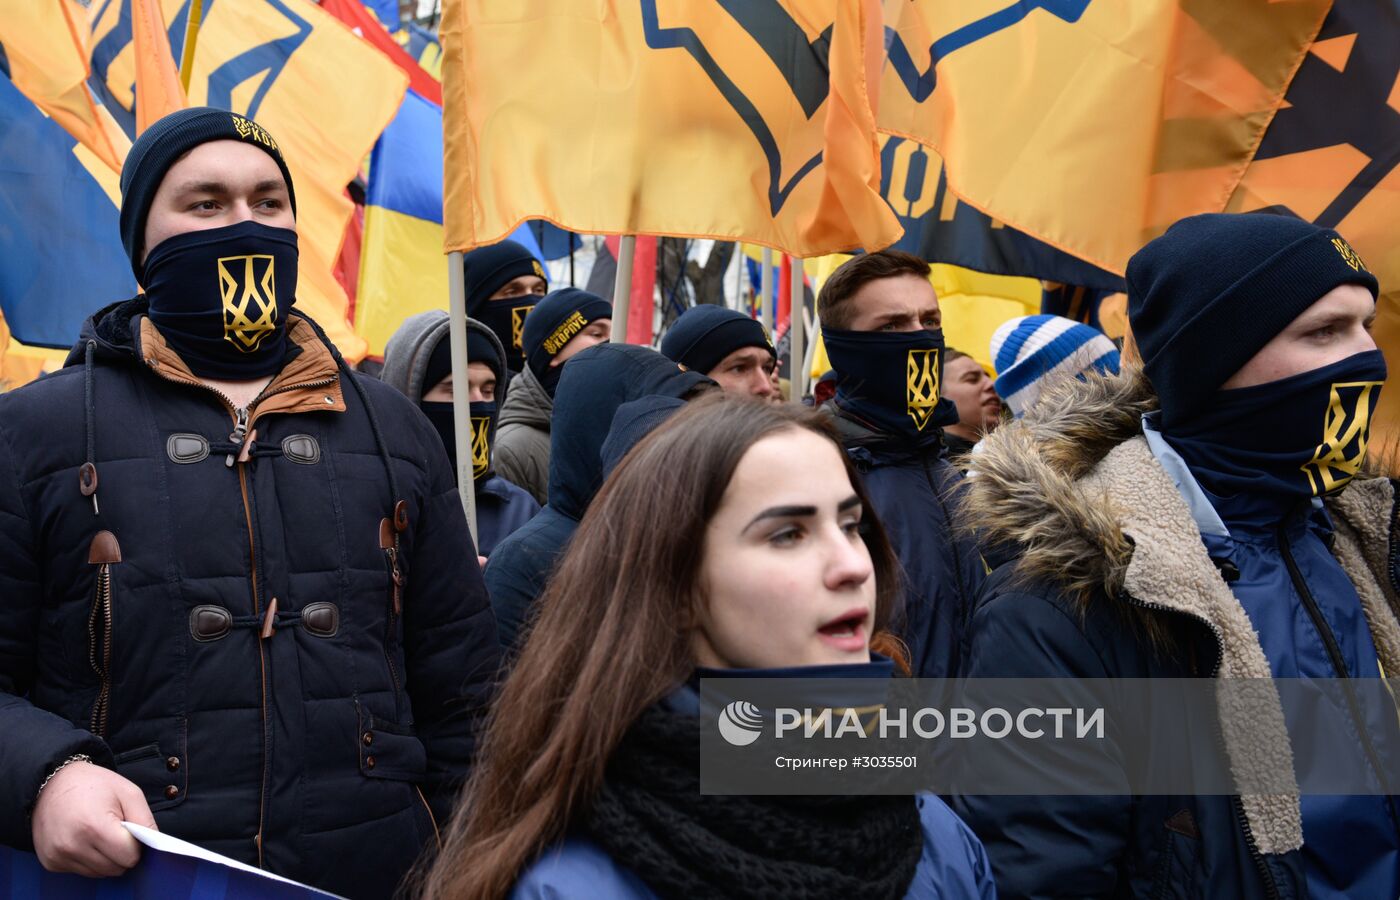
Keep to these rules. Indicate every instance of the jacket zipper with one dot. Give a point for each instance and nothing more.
(1334, 653)
(101, 659)
(242, 420)
(1236, 804)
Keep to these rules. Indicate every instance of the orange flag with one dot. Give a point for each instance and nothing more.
(158, 89)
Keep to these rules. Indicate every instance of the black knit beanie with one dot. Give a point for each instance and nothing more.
(553, 323)
(480, 349)
(487, 268)
(702, 336)
(162, 144)
(1211, 292)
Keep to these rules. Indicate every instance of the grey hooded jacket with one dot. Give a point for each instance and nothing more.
(501, 506)
(522, 441)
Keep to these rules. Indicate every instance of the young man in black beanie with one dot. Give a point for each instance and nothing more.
(236, 602)
(1205, 515)
(503, 283)
(883, 332)
(726, 345)
(560, 326)
(418, 361)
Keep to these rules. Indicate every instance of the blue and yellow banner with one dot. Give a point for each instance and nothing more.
(725, 119)
(1092, 125)
(62, 256)
(402, 267)
(319, 89)
(941, 228)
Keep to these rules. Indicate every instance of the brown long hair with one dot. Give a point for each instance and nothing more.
(613, 636)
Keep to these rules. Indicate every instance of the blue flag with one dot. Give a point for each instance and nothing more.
(61, 257)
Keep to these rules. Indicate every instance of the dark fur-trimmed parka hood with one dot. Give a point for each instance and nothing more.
(1072, 495)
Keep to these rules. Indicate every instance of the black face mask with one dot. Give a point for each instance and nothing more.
(1301, 436)
(506, 317)
(483, 416)
(892, 380)
(220, 297)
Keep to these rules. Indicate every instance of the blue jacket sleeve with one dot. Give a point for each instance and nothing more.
(451, 650)
(33, 742)
(1056, 845)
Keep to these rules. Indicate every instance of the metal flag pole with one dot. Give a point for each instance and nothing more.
(765, 288)
(461, 397)
(797, 374)
(622, 287)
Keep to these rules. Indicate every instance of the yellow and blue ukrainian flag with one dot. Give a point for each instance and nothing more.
(402, 267)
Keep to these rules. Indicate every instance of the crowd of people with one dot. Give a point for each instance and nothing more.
(241, 602)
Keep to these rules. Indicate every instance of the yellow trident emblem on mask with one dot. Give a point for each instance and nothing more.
(921, 384)
(1345, 432)
(517, 325)
(481, 445)
(249, 292)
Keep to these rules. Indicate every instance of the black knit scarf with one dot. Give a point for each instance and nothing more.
(651, 817)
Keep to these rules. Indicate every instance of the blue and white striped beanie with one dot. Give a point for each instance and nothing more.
(1030, 350)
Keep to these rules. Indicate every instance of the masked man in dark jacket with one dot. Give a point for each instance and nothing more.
(559, 326)
(418, 361)
(236, 602)
(592, 386)
(883, 331)
(1203, 517)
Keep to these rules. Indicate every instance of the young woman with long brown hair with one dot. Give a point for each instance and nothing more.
(733, 537)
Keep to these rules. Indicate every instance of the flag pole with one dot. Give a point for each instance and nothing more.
(461, 396)
(738, 276)
(192, 23)
(622, 288)
(765, 289)
(797, 375)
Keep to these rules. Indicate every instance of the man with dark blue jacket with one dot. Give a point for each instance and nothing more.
(883, 332)
(236, 602)
(1206, 516)
(591, 388)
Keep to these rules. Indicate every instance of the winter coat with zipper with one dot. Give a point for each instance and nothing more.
(594, 384)
(522, 437)
(1111, 578)
(501, 507)
(219, 620)
(916, 492)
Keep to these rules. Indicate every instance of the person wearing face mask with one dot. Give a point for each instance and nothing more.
(590, 784)
(561, 325)
(730, 347)
(503, 283)
(236, 602)
(1205, 516)
(593, 386)
(418, 361)
(883, 332)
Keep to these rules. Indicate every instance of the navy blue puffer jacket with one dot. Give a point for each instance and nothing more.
(916, 492)
(594, 384)
(219, 621)
(1121, 569)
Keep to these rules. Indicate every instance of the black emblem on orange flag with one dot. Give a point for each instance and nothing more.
(802, 63)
